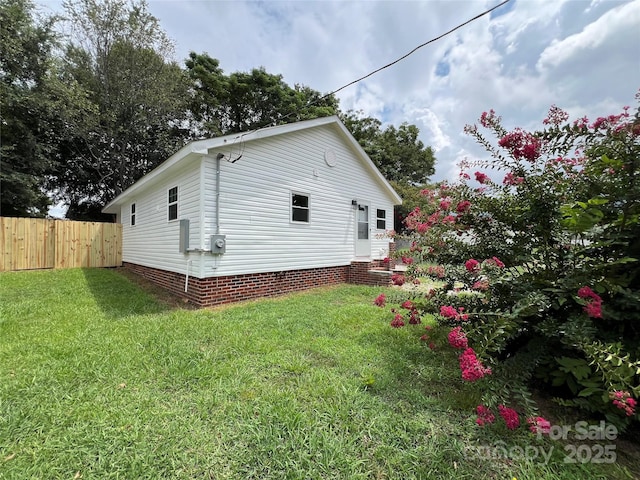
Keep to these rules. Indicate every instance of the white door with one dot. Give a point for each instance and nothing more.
(363, 232)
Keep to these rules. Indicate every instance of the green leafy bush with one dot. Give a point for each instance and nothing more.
(539, 255)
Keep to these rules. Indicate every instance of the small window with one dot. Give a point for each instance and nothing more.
(173, 203)
(381, 219)
(133, 214)
(299, 208)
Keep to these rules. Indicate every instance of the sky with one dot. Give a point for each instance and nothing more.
(581, 55)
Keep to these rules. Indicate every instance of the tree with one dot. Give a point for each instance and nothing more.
(241, 101)
(34, 103)
(119, 56)
(397, 152)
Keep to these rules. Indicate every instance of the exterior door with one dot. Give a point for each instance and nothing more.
(363, 232)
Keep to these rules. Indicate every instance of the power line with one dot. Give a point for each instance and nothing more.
(413, 51)
(435, 39)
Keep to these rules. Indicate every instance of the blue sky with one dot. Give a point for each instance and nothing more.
(582, 55)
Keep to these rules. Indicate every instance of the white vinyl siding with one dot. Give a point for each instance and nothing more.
(154, 241)
(255, 210)
(256, 207)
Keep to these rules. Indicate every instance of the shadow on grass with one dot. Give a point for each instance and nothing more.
(119, 294)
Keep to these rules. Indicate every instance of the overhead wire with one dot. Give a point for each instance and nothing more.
(414, 50)
(435, 39)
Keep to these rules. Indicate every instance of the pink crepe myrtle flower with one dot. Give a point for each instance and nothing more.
(472, 265)
(380, 300)
(457, 338)
(447, 311)
(624, 401)
(472, 369)
(521, 144)
(511, 179)
(408, 304)
(445, 204)
(489, 119)
(463, 206)
(593, 308)
(397, 279)
(481, 285)
(482, 178)
(494, 261)
(586, 292)
(556, 116)
(397, 321)
(539, 425)
(485, 416)
(510, 417)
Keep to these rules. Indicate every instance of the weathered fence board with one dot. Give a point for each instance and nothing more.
(34, 243)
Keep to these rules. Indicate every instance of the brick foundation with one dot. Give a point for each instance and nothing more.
(206, 292)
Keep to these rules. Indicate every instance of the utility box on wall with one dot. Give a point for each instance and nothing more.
(184, 236)
(218, 244)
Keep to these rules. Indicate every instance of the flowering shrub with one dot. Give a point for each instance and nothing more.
(556, 297)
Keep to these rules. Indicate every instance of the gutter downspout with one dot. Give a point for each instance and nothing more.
(219, 157)
(202, 200)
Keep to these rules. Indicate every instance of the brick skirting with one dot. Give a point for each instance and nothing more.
(206, 292)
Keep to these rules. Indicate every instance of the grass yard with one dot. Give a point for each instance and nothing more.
(100, 379)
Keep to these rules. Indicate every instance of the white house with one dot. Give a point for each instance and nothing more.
(256, 214)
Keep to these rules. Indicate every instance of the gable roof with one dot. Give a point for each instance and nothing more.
(203, 147)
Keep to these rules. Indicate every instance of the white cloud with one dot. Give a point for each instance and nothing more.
(625, 18)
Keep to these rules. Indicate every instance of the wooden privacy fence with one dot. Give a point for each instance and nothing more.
(32, 243)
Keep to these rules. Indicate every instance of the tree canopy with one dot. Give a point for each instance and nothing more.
(35, 103)
(244, 101)
(86, 114)
(117, 56)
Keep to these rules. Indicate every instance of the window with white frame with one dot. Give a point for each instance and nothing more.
(381, 219)
(299, 207)
(133, 214)
(173, 204)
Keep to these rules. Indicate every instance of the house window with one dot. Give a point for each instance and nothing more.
(299, 207)
(133, 214)
(381, 219)
(173, 203)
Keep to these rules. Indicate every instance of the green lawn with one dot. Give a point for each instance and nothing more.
(100, 379)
